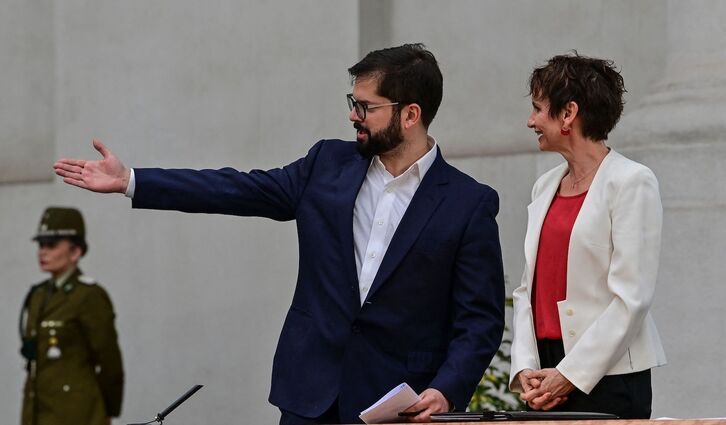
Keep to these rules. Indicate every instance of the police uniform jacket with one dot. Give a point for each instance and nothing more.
(77, 375)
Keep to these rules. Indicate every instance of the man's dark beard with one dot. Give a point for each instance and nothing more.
(384, 141)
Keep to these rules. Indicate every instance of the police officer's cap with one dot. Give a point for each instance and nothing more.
(61, 222)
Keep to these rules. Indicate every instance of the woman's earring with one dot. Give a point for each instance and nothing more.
(565, 131)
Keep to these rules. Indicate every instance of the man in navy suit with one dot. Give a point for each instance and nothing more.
(400, 275)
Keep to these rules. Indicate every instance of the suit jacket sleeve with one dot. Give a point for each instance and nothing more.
(97, 321)
(273, 194)
(478, 310)
(637, 216)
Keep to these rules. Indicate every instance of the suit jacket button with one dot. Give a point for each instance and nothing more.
(571, 333)
(569, 312)
(355, 329)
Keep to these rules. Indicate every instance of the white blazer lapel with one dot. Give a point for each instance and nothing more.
(595, 202)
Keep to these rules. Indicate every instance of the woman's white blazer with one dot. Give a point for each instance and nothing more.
(612, 266)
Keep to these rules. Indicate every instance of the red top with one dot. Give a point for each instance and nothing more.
(550, 270)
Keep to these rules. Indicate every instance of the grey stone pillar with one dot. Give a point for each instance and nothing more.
(679, 130)
(26, 111)
(375, 23)
(689, 103)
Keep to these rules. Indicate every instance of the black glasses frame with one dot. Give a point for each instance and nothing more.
(361, 109)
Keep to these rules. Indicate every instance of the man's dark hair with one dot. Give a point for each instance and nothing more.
(406, 74)
(594, 84)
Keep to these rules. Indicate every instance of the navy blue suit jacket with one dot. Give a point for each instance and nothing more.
(434, 315)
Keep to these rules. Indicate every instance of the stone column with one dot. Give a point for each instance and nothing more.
(679, 130)
(27, 107)
(689, 103)
(375, 25)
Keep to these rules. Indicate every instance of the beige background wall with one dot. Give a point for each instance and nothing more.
(253, 84)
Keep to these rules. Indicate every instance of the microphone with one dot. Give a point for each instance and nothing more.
(160, 416)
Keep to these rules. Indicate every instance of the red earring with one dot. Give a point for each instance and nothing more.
(565, 131)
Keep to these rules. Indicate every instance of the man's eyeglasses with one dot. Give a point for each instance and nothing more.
(361, 109)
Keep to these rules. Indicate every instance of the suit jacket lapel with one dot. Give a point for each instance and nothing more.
(54, 302)
(427, 198)
(351, 178)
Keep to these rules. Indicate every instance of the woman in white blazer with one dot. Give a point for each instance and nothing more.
(583, 337)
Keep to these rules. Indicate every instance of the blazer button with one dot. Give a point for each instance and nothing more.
(571, 333)
(66, 388)
(569, 312)
(355, 329)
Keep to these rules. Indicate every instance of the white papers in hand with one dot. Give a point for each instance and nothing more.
(386, 409)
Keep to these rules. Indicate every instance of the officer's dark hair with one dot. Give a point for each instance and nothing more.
(80, 243)
(405, 74)
(75, 241)
(594, 84)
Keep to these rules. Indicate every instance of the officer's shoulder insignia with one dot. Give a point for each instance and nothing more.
(87, 280)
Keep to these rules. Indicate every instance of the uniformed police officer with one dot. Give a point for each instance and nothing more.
(75, 375)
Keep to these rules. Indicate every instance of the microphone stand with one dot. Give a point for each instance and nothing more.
(160, 416)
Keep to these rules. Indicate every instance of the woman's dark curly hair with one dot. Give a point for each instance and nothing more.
(594, 84)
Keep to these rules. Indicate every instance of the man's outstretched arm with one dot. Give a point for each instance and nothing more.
(107, 175)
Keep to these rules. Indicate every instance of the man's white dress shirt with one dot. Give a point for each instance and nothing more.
(379, 207)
